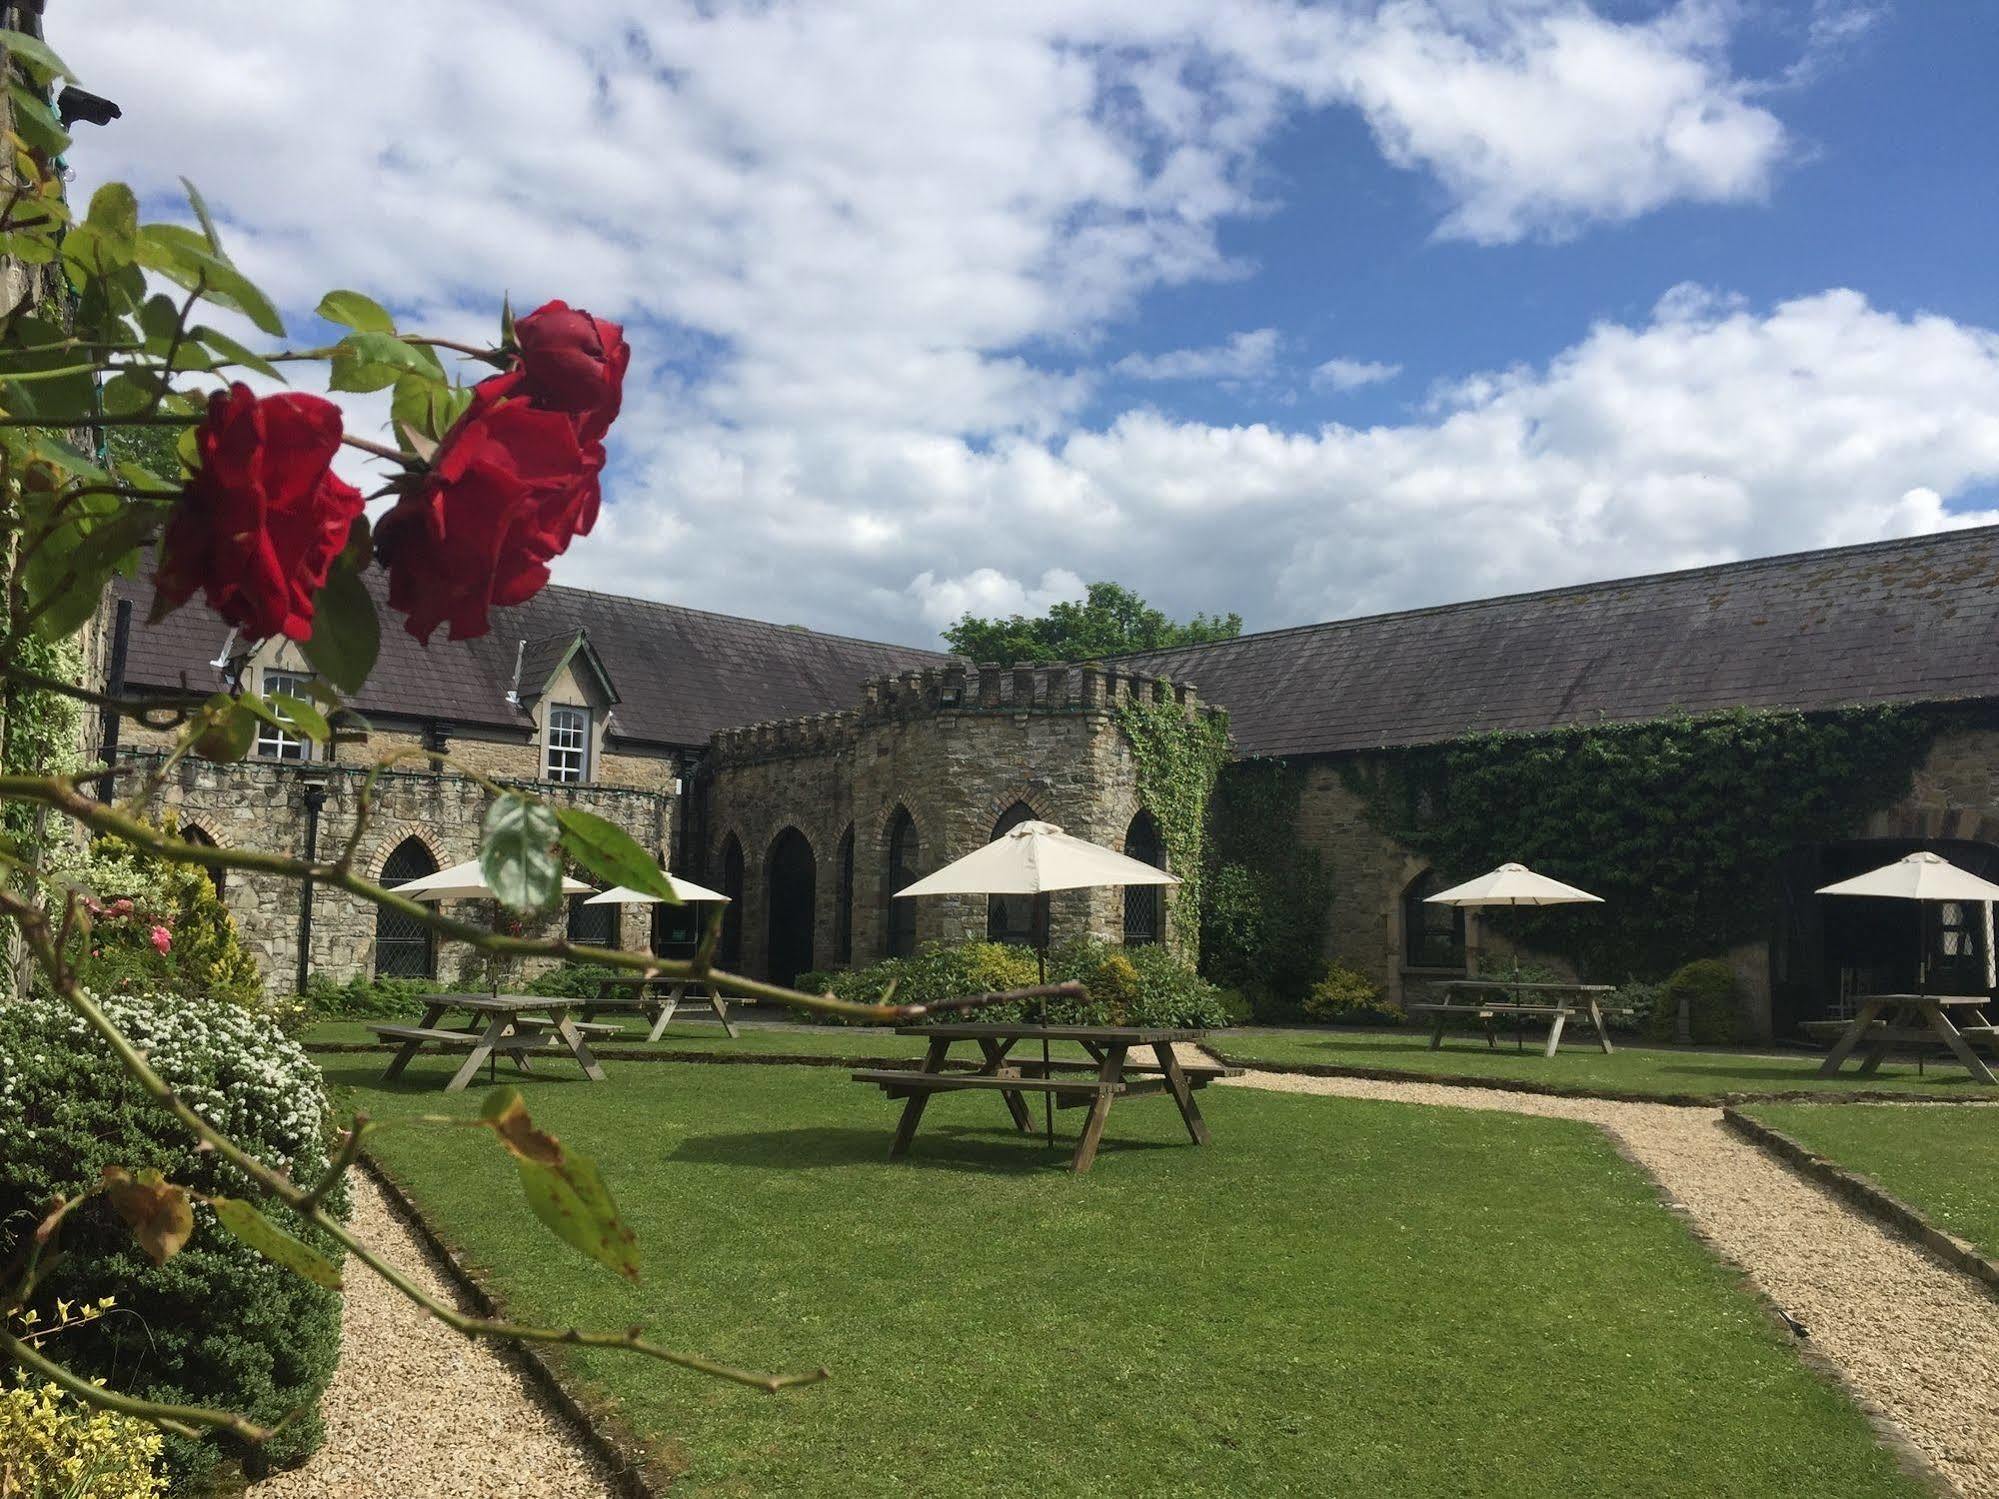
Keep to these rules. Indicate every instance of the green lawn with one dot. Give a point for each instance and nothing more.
(1941, 1162)
(1582, 1066)
(699, 1035)
(1335, 1297)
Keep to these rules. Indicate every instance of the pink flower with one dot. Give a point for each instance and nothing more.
(162, 938)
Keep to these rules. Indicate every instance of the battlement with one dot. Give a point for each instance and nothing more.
(957, 689)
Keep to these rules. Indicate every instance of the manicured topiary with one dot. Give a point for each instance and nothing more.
(1707, 989)
(217, 1324)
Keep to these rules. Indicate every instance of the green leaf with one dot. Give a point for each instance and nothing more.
(69, 569)
(36, 53)
(518, 853)
(273, 1243)
(610, 853)
(305, 719)
(115, 212)
(563, 1189)
(157, 1211)
(372, 361)
(346, 634)
(352, 310)
(35, 122)
(231, 732)
(231, 352)
(186, 259)
(200, 206)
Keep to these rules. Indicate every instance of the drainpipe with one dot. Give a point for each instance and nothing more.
(315, 798)
(114, 686)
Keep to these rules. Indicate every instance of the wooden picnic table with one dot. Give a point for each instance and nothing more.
(657, 998)
(1544, 1002)
(1906, 1022)
(1070, 1083)
(516, 1026)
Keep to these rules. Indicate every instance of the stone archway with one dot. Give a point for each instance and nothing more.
(791, 882)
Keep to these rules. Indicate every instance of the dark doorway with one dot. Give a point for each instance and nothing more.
(1144, 905)
(404, 947)
(790, 876)
(216, 874)
(1829, 951)
(731, 885)
(843, 912)
(676, 930)
(1012, 918)
(903, 854)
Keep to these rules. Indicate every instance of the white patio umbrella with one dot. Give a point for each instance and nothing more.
(1034, 858)
(1927, 877)
(1510, 885)
(466, 881)
(687, 890)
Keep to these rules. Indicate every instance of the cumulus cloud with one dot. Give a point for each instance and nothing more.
(868, 254)
(990, 594)
(1244, 357)
(1352, 374)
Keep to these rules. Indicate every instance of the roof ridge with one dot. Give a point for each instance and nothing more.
(739, 619)
(1739, 564)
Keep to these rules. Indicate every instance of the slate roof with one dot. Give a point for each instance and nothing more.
(681, 674)
(1891, 622)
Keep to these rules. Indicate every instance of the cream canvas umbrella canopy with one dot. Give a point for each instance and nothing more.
(1927, 877)
(465, 881)
(1034, 858)
(687, 890)
(1511, 885)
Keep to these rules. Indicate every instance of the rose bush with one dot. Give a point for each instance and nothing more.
(260, 522)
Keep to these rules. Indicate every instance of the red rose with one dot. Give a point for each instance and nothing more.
(259, 525)
(510, 487)
(575, 363)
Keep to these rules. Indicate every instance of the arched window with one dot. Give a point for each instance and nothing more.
(843, 894)
(731, 955)
(903, 853)
(1010, 918)
(1432, 936)
(216, 874)
(1144, 905)
(404, 947)
(791, 876)
(595, 926)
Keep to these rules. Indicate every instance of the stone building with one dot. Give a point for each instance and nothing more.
(810, 775)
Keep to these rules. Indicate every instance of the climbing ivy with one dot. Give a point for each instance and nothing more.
(1677, 823)
(1268, 896)
(41, 728)
(1178, 757)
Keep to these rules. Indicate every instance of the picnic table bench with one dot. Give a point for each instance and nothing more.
(516, 1026)
(1066, 1082)
(1544, 1002)
(1912, 1023)
(657, 998)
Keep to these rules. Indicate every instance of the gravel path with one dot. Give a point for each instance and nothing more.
(417, 1410)
(1920, 1340)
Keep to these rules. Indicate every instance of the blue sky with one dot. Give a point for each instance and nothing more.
(1302, 310)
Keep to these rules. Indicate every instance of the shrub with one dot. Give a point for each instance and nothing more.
(1345, 996)
(935, 972)
(366, 998)
(56, 1447)
(570, 981)
(1707, 987)
(216, 1324)
(139, 896)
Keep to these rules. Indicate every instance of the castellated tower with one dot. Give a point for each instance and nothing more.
(922, 772)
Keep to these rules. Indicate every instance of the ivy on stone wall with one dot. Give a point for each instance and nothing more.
(41, 728)
(1677, 823)
(1178, 756)
(1268, 896)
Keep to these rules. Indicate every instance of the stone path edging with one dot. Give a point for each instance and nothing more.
(1867, 1195)
(627, 1475)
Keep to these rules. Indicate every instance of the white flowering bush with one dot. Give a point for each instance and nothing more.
(217, 1322)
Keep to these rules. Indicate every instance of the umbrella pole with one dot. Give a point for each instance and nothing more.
(1047, 1096)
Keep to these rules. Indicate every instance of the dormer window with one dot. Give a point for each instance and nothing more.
(566, 744)
(274, 743)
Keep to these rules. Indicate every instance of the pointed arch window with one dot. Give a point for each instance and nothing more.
(843, 897)
(1144, 905)
(904, 851)
(404, 947)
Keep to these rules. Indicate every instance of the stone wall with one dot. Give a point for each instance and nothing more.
(262, 805)
(956, 747)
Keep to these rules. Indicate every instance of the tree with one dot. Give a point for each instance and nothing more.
(1110, 621)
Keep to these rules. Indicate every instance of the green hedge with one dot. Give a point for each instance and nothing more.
(1127, 985)
(1708, 988)
(217, 1324)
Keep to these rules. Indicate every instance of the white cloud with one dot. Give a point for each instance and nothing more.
(1244, 357)
(865, 248)
(990, 594)
(1352, 374)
